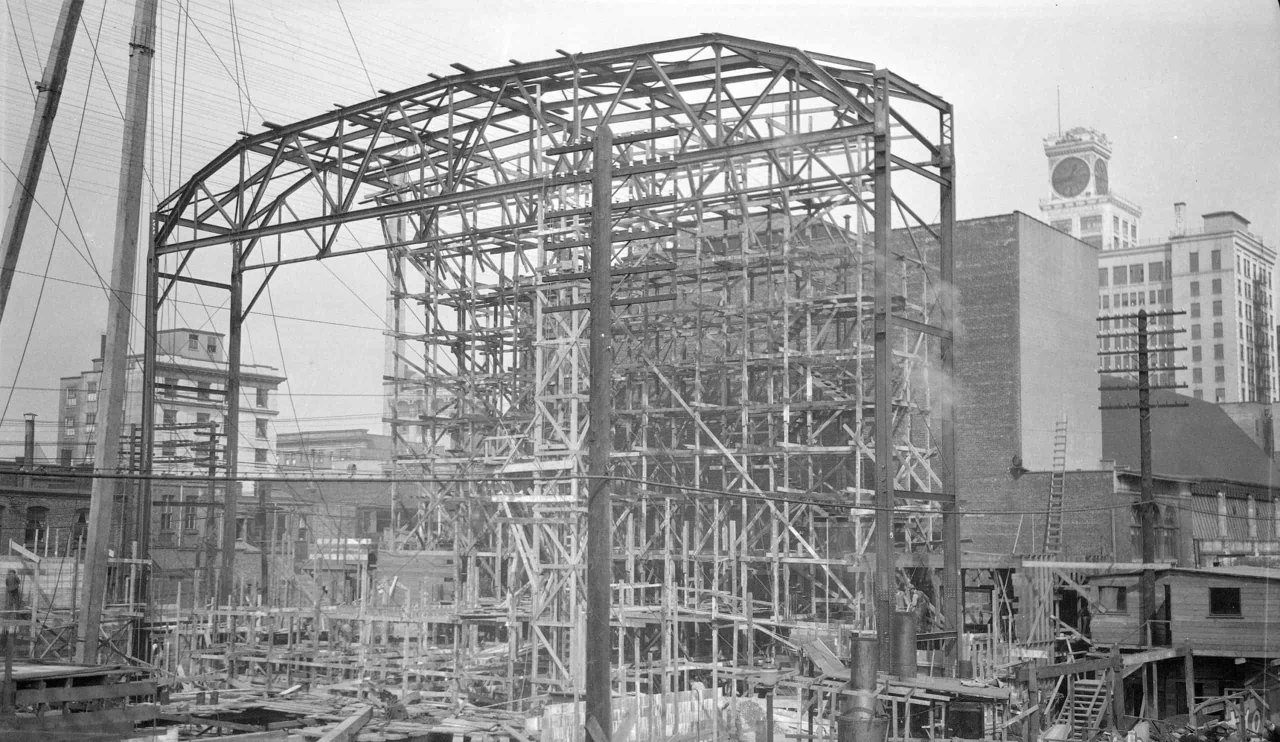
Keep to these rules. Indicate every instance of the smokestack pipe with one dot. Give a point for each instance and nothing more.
(1179, 218)
(29, 440)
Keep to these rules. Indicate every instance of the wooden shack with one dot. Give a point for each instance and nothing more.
(1220, 612)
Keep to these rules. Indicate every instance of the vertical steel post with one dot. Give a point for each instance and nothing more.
(600, 430)
(24, 192)
(111, 397)
(146, 449)
(953, 598)
(885, 468)
(231, 426)
(1147, 501)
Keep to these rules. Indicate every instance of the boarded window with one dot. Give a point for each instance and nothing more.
(1114, 599)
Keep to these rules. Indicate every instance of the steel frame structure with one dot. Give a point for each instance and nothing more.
(781, 332)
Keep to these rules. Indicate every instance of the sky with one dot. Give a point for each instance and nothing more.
(1187, 92)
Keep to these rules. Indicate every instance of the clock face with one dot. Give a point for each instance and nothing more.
(1100, 184)
(1070, 177)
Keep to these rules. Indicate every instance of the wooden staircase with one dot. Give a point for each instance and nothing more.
(1057, 486)
(1087, 706)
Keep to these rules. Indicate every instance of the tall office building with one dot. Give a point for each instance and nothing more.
(1220, 275)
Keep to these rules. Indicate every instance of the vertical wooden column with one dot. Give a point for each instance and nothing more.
(1147, 500)
(885, 468)
(111, 396)
(600, 411)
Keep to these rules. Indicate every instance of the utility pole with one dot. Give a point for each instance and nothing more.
(119, 314)
(600, 414)
(1146, 509)
(50, 93)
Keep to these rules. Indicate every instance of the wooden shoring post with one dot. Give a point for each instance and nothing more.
(119, 315)
(600, 402)
(883, 350)
(1189, 680)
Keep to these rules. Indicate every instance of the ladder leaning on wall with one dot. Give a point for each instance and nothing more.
(1053, 515)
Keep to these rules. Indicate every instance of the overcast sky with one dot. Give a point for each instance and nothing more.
(1188, 92)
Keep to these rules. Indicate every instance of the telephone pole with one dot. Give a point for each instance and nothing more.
(1146, 510)
(119, 315)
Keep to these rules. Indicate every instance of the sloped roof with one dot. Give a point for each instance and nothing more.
(1199, 441)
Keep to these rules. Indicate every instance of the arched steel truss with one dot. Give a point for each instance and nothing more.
(781, 237)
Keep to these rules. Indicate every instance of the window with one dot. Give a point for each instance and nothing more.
(1219, 395)
(1217, 285)
(80, 531)
(202, 390)
(1195, 353)
(1195, 332)
(260, 427)
(1115, 224)
(1156, 271)
(1135, 273)
(90, 418)
(1219, 373)
(1091, 224)
(261, 395)
(202, 418)
(71, 397)
(1197, 375)
(1215, 260)
(37, 526)
(1114, 599)
(1217, 307)
(169, 449)
(1119, 275)
(189, 514)
(1224, 601)
(259, 455)
(1195, 309)
(1102, 281)
(1195, 288)
(1062, 225)
(1217, 329)
(211, 346)
(1217, 352)
(170, 417)
(167, 387)
(1193, 262)
(166, 513)
(91, 389)
(193, 341)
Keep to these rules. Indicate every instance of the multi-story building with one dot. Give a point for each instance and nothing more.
(1220, 276)
(190, 402)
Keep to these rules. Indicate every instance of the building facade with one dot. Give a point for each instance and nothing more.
(1221, 278)
(190, 405)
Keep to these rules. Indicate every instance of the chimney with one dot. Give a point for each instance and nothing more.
(102, 345)
(1179, 218)
(29, 440)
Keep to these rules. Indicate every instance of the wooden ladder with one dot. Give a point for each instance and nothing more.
(1088, 705)
(1057, 486)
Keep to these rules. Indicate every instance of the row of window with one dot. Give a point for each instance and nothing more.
(1223, 601)
(1124, 275)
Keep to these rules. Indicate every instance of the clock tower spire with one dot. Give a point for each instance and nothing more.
(1081, 202)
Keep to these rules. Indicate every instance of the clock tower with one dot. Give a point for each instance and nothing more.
(1081, 202)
